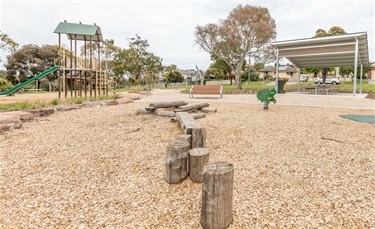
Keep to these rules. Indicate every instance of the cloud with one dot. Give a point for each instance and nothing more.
(169, 25)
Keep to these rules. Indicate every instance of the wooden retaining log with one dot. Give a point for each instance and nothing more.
(195, 116)
(208, 110)
(191, 107)
(198, 116)
(165, 104)
(198, 158)
(176, 161)
(164, 113)
(150, 109)
(217, 195)
(198, 137)
(142, 110)
(187, 122)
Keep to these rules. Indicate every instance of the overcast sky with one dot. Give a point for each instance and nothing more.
(169, 25)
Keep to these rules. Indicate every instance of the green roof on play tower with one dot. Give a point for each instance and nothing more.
(80, 31)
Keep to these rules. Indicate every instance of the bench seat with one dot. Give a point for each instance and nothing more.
(206, 90)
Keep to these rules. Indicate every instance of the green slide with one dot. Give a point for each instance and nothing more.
(35, 78)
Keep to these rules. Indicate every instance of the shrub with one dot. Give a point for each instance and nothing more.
(55, 102)
(115, 96)
(267, 77)
(5, 85)
(77, 100)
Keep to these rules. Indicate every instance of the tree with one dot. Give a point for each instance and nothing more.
(171, 67)
(333, 31)
(247, 30)
(30, 60)
(315, 71)
(219, 69)
(7, 44)
(137, 62)
(4, 84)
(349, 71)
(173, 76)
(107, 52)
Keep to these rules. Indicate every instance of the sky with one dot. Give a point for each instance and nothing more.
(169, 25)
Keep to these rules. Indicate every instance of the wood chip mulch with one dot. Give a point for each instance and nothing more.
(295, 167)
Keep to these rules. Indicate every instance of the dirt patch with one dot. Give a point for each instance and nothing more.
(371, 95)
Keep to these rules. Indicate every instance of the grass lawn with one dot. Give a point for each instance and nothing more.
(253, 87)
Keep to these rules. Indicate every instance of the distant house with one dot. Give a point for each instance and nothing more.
(190, 76)
(284, 72)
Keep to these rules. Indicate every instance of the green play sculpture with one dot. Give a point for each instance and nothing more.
(266, 96)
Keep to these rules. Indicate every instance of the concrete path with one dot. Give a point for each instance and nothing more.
(288, 99)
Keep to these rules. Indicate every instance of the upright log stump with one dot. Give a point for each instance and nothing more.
(198, 158)
(217, 195)
(176, 161)
(185, 137)
(198, 137)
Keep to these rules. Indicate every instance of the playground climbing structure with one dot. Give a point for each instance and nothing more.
(81, 76)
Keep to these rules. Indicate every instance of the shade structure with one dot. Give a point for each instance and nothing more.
(80, 32)
(332, 51)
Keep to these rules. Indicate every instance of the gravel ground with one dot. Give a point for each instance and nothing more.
(297, 165)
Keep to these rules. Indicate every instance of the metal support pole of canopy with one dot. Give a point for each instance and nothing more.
(360, 81)
(299, 80)
(277, 71)
(355, 67)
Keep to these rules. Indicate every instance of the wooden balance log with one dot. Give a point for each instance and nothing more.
(198, 158)
(217, 195)
(176, 161)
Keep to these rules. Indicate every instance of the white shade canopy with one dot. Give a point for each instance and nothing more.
(331, 51)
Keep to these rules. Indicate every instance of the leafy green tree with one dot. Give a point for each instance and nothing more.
(171, 67)
(30, 60)
(349, 71)
(7, 44)
(4, 84)
(247, 30)
(136, 62)
(3, 74)
(254, 76)
(173, 76)
(315, 71)
(107, 51)
(333, 31)
(219, 69)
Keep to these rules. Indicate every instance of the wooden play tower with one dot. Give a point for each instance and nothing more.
(81, 76)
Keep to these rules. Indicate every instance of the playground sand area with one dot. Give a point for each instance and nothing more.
(103, 166)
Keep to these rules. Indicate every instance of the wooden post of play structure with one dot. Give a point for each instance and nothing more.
(176, 161)
(198, 137)
(217, 195)
(198, 158)
(59, 71)
(91, 68)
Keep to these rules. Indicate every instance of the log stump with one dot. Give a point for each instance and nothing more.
(198, 137)
(198, 158)
(217, 195)
(176, 161)
(185, 137)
